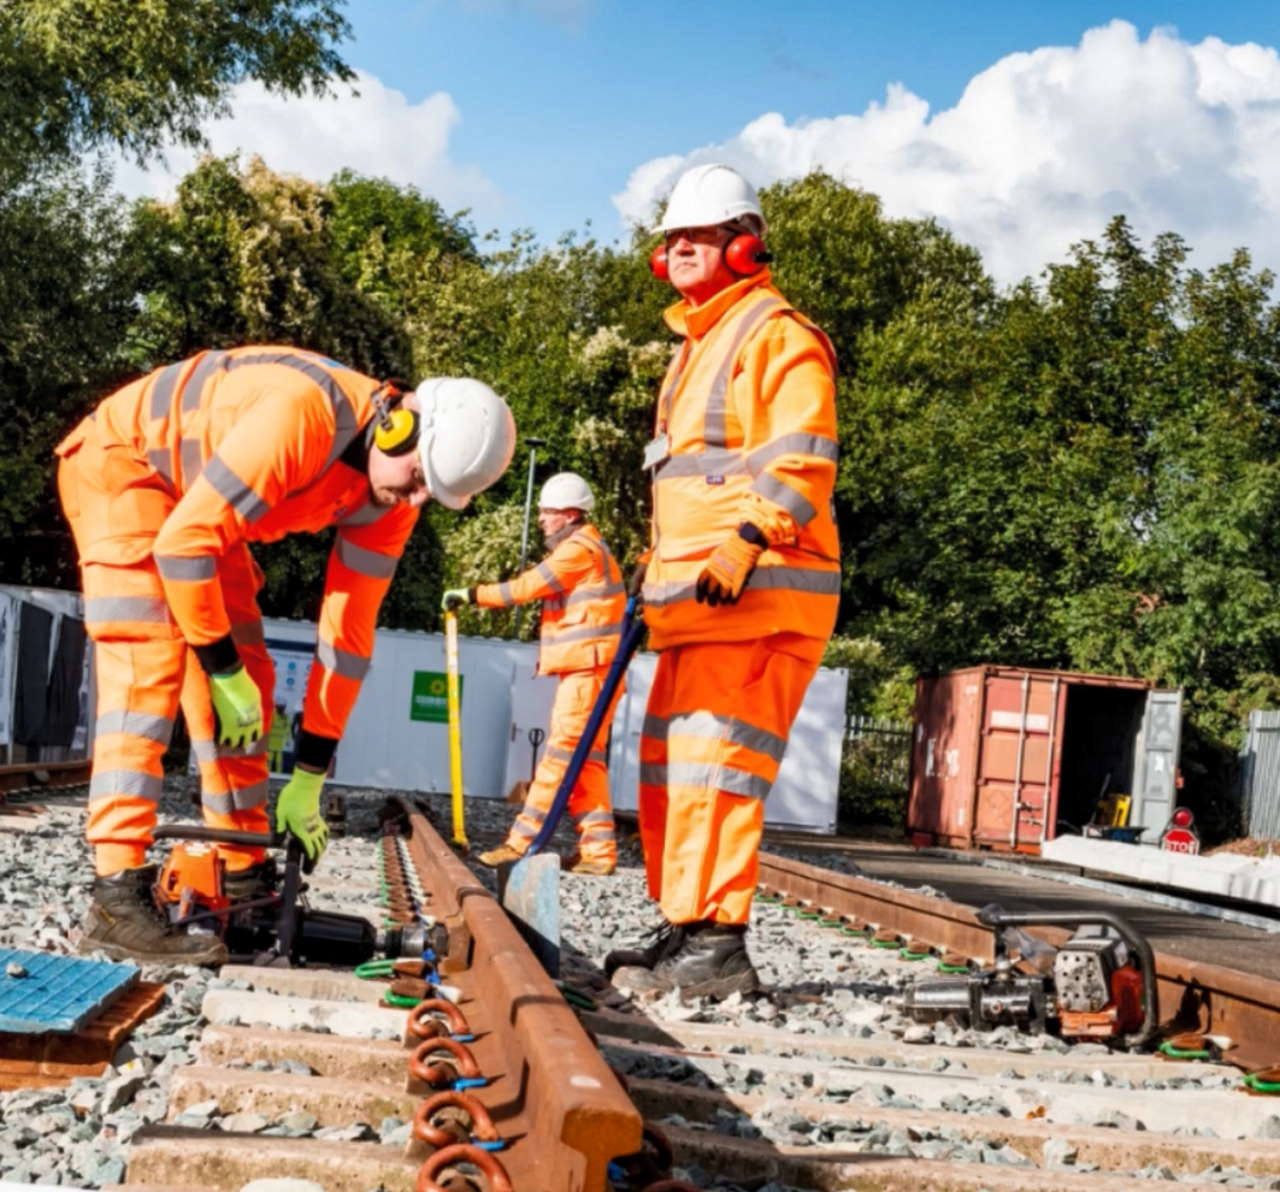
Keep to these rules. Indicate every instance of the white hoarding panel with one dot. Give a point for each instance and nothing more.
(531, 698)
(805, 793)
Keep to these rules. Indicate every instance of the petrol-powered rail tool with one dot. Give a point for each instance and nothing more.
(1100, 984)
(279, 928)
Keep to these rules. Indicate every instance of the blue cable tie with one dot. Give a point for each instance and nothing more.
(469, 1082)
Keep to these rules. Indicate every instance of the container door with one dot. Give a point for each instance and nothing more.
(1156, 764)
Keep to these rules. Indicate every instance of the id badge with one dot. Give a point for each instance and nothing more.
(656, 451)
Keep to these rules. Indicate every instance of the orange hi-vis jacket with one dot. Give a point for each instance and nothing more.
(238, 445)
(583, 599)
(747, 415)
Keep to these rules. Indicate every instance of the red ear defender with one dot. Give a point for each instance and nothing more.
(658, 263)
(746, 254)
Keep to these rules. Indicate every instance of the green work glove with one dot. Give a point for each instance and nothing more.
(298, 812)
(454, 597)
(237, 706)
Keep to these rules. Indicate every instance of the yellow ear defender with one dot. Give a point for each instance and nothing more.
(397, 430)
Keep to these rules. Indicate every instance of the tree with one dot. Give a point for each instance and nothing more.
(79, 74)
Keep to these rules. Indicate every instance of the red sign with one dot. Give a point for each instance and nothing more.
(1181, 836)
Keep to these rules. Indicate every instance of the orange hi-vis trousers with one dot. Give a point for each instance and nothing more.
(715, 731)
(143, 671)
(589, 803)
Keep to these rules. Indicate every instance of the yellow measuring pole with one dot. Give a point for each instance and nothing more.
(455, 727)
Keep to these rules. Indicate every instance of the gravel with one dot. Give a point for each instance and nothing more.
(818, 981)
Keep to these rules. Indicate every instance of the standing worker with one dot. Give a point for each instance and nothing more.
(742, 583)
(583, 601)
(164, 484)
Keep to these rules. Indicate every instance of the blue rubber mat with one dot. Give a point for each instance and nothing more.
(58, 993)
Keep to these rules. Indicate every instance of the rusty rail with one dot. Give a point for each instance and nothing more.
(42, 776)
(549, 1095)
(1191, 995)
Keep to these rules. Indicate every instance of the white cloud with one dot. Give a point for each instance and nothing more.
(1044, 147)
(374, 132)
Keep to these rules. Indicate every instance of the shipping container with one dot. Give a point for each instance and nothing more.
(1007, 758)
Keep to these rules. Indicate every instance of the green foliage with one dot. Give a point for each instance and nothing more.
(137, 73)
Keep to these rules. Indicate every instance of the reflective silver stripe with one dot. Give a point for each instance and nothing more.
(205, 750)
(728, 728)
(551, 578)
(593, 592)
(715, 433)
(534, 813)
(136, 724)
(247, 633)
(581, 633)
(186, 566)
(191, 462)
(127, 608)
(341, 662)
(161, 458)
(233, 490)
(126, 782)
(344, 414)
(707, 776)
(718, 461)
(655, 726)
(796, 579)
(520, 828)
(597, 835)
(505, 593)
(595, 817)
(560, 755)
(781, 493)
(796, 443)
(366, 562)
(598, 755)
(209, 364)
(241, 800)
(366, 515)
(162, 389)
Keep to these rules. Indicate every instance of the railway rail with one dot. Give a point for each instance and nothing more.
(508, 1087)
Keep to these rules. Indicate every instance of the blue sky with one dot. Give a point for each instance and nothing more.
(1022, 127)
(561, 100)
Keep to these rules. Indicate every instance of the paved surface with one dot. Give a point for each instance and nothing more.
(1196, 937)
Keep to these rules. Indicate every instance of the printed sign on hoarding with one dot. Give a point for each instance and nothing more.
(430, 699)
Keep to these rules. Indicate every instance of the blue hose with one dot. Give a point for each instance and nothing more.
(633, 629)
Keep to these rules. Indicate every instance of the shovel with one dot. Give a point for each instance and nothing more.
(530, 887)
(455, 728)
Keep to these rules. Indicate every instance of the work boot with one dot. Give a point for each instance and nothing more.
(254, 929)
(499, 856)
(660, 939)
(593, 867)
(255, 881)
(709, 961)
(125, 923)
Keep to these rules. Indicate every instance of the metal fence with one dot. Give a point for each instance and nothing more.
(1260, 775)
(875, 769)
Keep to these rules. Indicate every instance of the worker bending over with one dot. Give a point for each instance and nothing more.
(164, 485)
(742, 583)
(582, 606)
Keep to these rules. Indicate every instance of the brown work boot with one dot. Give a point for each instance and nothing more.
(593, 867)
(501, 855)
(659, 941)
(125, 923)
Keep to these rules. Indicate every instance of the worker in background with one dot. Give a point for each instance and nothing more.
(742, 581)
(164, 485)
(583, 600)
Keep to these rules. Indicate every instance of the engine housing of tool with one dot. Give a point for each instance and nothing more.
(1095, 986)
(280, 926)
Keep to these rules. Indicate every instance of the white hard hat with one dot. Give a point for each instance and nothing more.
(708, 195)
(466, 440)
(566, 490)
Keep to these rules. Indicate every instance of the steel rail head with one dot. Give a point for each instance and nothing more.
(435, 1175)
(450, 1117)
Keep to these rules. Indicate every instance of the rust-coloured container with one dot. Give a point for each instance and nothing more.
(1004, 756)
